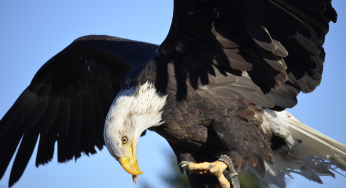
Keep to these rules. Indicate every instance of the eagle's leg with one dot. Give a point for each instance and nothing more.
(217, 168)
(231, 171)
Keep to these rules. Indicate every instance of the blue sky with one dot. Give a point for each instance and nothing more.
(31, 32)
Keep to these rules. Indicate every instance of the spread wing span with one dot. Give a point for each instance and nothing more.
(277, 42)
(67, 101)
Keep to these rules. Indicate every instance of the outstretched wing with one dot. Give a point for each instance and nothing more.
(277, 42)
(266, 53)
(67, 101)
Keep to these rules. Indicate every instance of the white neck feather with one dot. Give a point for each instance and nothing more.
(135, 110)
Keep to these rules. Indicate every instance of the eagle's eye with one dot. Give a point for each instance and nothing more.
(124, 139)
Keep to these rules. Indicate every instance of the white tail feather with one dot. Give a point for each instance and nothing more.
(308, 152)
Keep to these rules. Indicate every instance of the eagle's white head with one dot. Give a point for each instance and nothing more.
(133, 111)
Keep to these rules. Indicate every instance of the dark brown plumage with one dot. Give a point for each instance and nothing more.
(67, 101)
(221, 62)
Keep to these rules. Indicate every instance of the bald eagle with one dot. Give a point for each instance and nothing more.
(217, 86)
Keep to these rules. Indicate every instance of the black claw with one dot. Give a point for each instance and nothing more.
(230, 172)
(183, 164)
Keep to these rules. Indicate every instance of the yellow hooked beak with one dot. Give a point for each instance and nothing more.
(129, 162)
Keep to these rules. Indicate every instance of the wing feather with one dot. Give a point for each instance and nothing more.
(279, 43)
(23, 156)
(67, 101)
